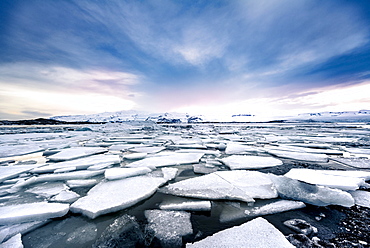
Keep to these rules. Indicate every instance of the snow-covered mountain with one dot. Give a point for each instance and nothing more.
(131, 115)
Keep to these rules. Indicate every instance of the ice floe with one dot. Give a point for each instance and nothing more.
(312, 194)
(119, 173)
(47, 189)
(344, 180)
(235, 148)
(76, 152)
(18, 150)
(238, 162)
(38, 211)
(185, 205)
(12, 171)
(312, 157)
(65, 196)
(13, 242)
(136, 155)
(81, 183)
(362, 198)
(361, 163)
(257, 233)
(126, 192)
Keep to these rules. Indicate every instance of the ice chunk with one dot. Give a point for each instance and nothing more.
(301, 226)
(126, 192)
(147, 149)
(235, 148)
(257, 233)
(312, 194)
(136, 155)
(362, 163)
(7, 232)
(76, 152)
(362, 198)
(169, 226)
(119, 173)
(186, 205)
(358, 150)
(13, 242)
(80, 164)
(326, 178)
(204, 169)
(208, 152)
(66, 196)
(123, 232)
(312, 157)
(47, 190)
(18, 150)
(7, 172)
(232, 213)
(169, 173)
(167, 160)
(237, 162)
(81, 183)
(230, 185)
(14, 214)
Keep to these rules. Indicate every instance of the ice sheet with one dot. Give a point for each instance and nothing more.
(257, 233)
(237, 162)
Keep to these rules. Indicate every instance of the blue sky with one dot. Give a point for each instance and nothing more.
(258, 57)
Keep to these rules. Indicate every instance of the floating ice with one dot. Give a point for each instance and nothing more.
(123, 232)
(76, 152)
(237, 162)
(81, 183)
(232, 213)
(312, 194)
(358, 150)
(136, 155)
(8, 172)
(257, 233)
(169, 226)
(230, 185)
(38, 211)
(112, 196)
(13, 242)
(362, 163)
(185, 205)
(235, 148)
(301, 226)
(312, 157)
(208, 152)
(147, 149)
(169, 173)
(204, 168)
(66, 196)
(80, 164)
(47, 190)
(167, 160)
(362, 198)
(327, 178)
(119, 173)
(18, 150)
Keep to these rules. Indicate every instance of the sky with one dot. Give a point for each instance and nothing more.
(265, 57)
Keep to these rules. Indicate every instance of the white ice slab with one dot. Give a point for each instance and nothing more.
(8, 172)
(167, 160)
(358, 150)
(81, 183)
(136, 155)
(237, 162)
(18, 150)
(312, 157)
(148, 149)
(327, 178)
(257, 233)
(119, 173)
(112, 196)
(169, 173)
(316, 195)
(66, 196)
(362, 198)
(230, 185)
(76, 152)
(185, 205)
(14, 214)
(13, 242)
(362, 163)
(236, 148)
(47, 190)
(169, 226)
(80, 164)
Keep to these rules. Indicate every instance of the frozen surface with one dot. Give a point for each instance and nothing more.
(169, 173)
(235, 148)
(13, 242)
(168, 160)
(76, 152)
(204, 168)
(14, 214)
(361, 163)
(257, 233)
(169, 226)
(312, 157)
(237, 162)
(136, 155)
(112, 196)
(362, 198)
(332, 179)
(80, 164)
(312, 194)
(119, 173)
(147, 149)
(230, 185)
(18, 150)
(47, 190)
(186, 205)
(8, 172)
(81, 183)
(66, 196)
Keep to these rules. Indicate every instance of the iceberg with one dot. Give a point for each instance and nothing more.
(167, 160)
(229, 185)
(13, 242)
(169, 226)
(119, 173)
(76, 152)
(38, 211)
(257, 233)
(185, 205)
(312, 194)
(126, 192)
(327, 178)
(238, 162)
